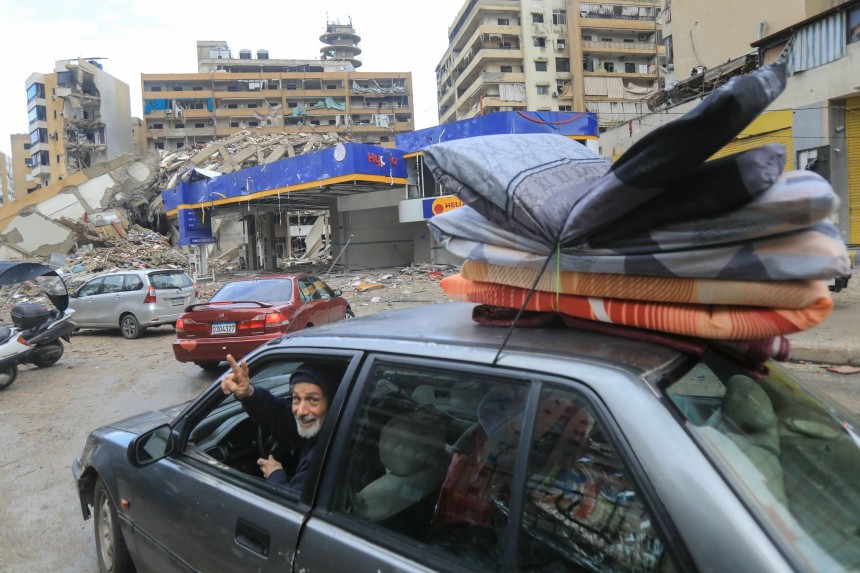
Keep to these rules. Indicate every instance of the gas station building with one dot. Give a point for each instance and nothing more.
(370, 203)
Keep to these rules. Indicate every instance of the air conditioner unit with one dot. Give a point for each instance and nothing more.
(52, 135)
(554, 94)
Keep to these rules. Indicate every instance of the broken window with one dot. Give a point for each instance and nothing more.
(157, 126)
(629, 68)
(540, 41)
(608, 66)
(503, 22)
(34, 91)
(159, 145)
(507, 69)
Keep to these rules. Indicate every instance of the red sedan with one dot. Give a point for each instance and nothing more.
(244, 314)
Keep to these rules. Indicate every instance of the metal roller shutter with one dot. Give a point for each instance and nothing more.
(770, 127)
(852, 141)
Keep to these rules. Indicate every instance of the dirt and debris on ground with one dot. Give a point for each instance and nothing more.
(367, 292)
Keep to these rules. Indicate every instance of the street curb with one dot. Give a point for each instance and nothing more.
(824, 353)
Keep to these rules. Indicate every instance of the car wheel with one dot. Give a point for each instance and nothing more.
(130, 327)
(8, 375)
(110, 546)
(349, 313)
(209, 366)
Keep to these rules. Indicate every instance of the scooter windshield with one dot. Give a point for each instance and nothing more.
(46, 278)
(55, 289)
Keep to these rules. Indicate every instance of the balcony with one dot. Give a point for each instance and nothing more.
(473, 45)
(476, 67)
(469, 20)
(645, 48)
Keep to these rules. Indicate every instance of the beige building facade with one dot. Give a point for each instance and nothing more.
(700, 35)
(550, 55)
(253, 92)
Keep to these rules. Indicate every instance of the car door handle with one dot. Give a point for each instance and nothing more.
(252, 537)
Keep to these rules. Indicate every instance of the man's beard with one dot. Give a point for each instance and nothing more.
(310, 431)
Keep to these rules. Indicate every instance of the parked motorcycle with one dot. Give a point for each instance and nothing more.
(36, 333)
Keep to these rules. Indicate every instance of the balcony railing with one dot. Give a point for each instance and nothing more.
(619, 46)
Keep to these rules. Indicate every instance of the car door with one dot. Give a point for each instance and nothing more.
(206, 507)
(84, 302)
(447, 467)
(108, 300)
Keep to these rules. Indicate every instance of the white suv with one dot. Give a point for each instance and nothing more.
(133, 300)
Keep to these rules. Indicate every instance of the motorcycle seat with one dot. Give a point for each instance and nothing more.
(5, 333)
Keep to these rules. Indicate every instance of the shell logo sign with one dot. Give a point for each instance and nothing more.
(439, 205)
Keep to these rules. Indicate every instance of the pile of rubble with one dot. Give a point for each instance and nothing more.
(239, 151)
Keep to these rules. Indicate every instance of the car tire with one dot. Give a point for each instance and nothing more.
(349, 314)
(111, 549)
(8, 375)
(209, 366)
(130, 327)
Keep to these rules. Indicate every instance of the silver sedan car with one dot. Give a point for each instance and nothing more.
(445, 449)
(133, 300)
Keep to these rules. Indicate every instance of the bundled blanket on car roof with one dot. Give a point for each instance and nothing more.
(660, 210)
(720, 237)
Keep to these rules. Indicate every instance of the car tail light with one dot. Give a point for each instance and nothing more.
(258, 322)
(180, 327)
(150, 296)
(276, 320)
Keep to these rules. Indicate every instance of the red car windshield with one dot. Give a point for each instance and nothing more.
(265, 290)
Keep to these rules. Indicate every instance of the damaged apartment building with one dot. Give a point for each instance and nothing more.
(79, 116)
(233, 92)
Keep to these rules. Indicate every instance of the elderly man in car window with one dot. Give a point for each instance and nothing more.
(295, 419)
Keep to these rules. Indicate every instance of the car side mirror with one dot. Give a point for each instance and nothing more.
(150, 447)
(338, 292)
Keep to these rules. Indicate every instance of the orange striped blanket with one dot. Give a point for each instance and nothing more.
(719, 322)
(772, 294)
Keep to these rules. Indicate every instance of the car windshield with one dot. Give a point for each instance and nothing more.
(793, 459)
(265, 290)
(177, 279)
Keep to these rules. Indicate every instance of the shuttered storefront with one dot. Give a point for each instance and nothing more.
(769, 127)
(852, 154)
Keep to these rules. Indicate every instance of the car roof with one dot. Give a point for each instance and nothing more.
(143, 271)
(272, 276)
(447, 330)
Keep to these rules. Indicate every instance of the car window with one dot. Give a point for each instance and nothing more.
(170, 279)
(309, 289)
(794, 462)
(230, 437)
(132, 283)
(431, 459)
(90, 288)
(112, 284)
(260, 290)
(321, 287)
(582, 512)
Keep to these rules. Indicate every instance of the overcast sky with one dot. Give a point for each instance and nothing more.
(159, 36)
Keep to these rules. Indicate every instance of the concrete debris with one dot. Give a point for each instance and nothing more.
(239, 151)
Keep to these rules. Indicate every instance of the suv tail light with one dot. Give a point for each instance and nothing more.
(150, 296)
(276, 320)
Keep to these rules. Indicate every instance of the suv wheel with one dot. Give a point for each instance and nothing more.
(130, 327)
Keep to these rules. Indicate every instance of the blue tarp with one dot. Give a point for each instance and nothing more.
(503, 122)
(318, 167)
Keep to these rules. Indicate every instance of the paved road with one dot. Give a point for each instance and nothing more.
(45, 417)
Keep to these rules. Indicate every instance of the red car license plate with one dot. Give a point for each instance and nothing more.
(223, 328)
